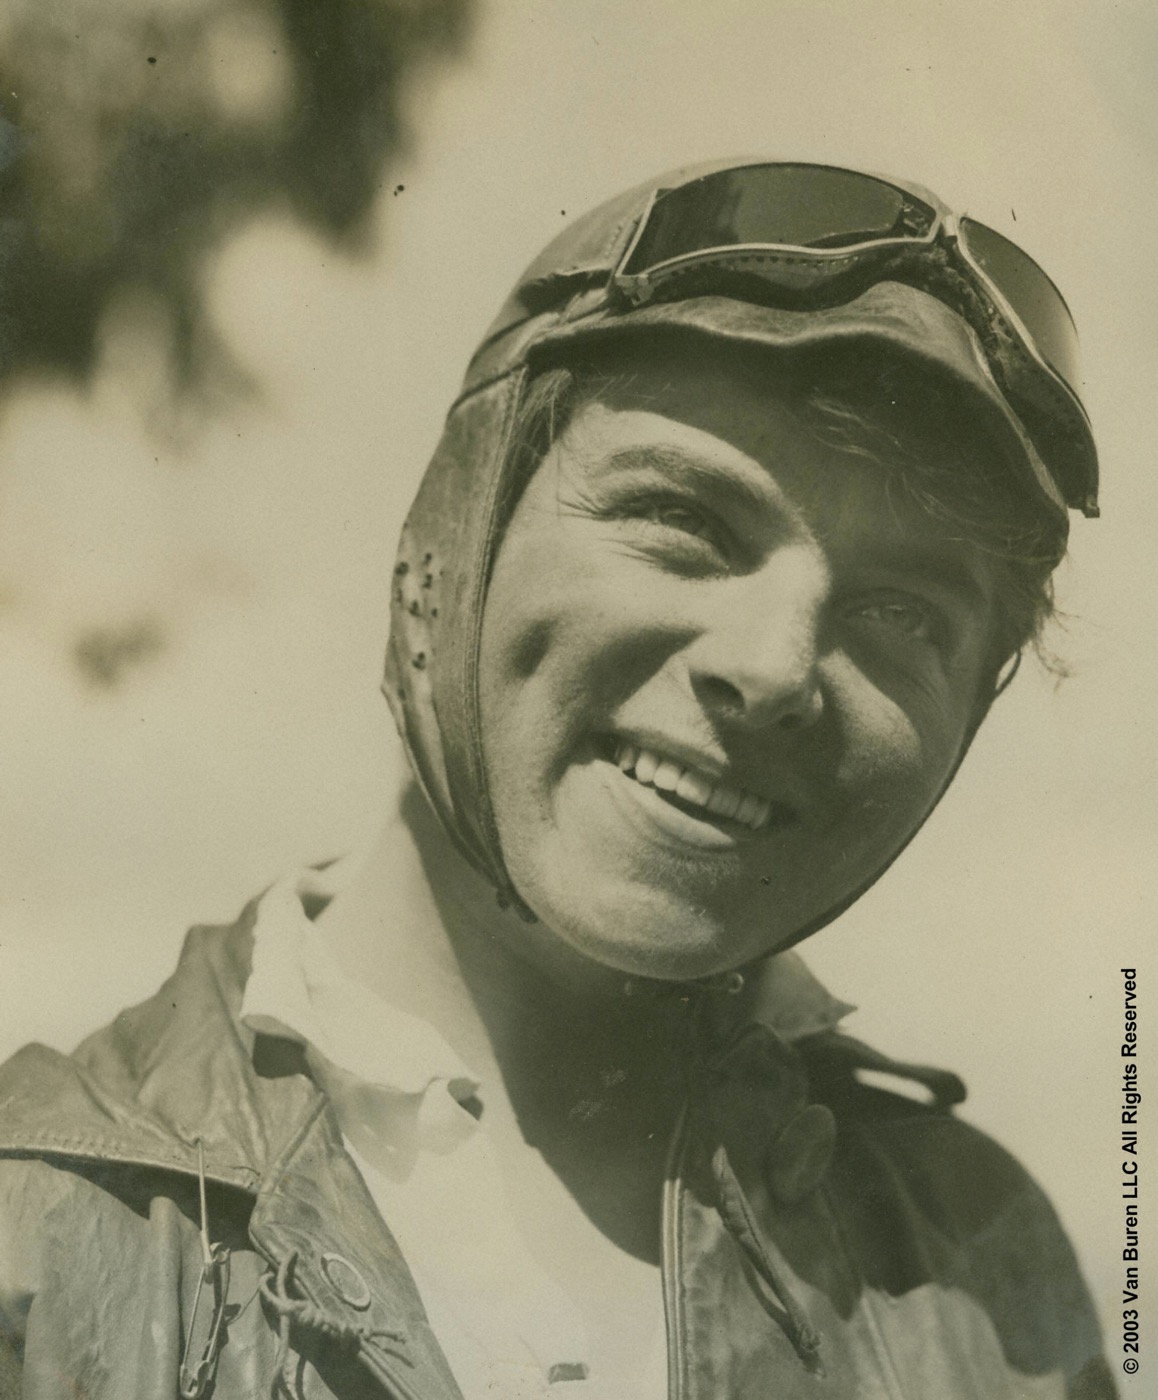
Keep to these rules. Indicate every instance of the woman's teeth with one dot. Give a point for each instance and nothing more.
(694, 788)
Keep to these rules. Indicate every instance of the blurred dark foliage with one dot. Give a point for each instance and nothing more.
(143, 131)
(104, 654)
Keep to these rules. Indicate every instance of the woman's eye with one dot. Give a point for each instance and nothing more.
(909, 619)
(677, 530)
(677, 516)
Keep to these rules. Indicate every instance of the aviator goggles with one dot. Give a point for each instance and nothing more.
(800, 236)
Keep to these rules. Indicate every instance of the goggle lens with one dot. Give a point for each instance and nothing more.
(798, 206)
(1031, 295)
(800, 226)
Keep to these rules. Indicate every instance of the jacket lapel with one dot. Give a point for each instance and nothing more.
(315, 1221)
(181, 1069)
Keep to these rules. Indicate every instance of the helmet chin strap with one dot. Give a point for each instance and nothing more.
(729, 983)
(1002, 682)
(732, 981)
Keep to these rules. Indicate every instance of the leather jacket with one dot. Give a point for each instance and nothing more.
(821, 1239)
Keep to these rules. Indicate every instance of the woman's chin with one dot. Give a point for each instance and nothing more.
(650, 935)
(647, 908)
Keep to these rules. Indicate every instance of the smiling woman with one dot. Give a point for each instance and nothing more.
(694, 572)
(725, 551)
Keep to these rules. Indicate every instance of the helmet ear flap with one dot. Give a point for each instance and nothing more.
(1002, 681)
(440, 583)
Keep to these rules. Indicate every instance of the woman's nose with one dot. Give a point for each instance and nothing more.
(755, 662)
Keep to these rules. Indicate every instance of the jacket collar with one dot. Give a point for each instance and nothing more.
(175, 1069)
(181, 1068)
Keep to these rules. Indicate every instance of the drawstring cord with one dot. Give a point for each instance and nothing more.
(735, 1210)
(738, 1217)
(300, 1312)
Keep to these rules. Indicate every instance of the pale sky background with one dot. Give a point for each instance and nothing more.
(262, 540)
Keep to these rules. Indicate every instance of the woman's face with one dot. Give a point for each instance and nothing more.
(725, 673)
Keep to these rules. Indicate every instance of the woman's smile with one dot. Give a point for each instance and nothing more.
(672, 805)
(689, 788)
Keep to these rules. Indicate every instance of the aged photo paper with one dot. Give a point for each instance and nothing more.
(198, 526)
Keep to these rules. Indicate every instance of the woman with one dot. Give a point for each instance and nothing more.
(747, 508)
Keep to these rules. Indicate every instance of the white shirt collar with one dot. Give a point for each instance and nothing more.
(352, 1036)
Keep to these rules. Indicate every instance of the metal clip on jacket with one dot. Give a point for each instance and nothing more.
(195, 1378)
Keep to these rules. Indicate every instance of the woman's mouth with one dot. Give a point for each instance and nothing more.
(696, 792)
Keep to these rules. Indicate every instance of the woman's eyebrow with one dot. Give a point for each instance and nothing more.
(689, 469)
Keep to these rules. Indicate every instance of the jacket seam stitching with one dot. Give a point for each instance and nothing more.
(103, 1150)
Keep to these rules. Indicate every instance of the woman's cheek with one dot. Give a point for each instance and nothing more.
(885, 748)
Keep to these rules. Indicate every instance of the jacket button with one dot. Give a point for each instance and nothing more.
(346, 1281)
(800, 1155)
